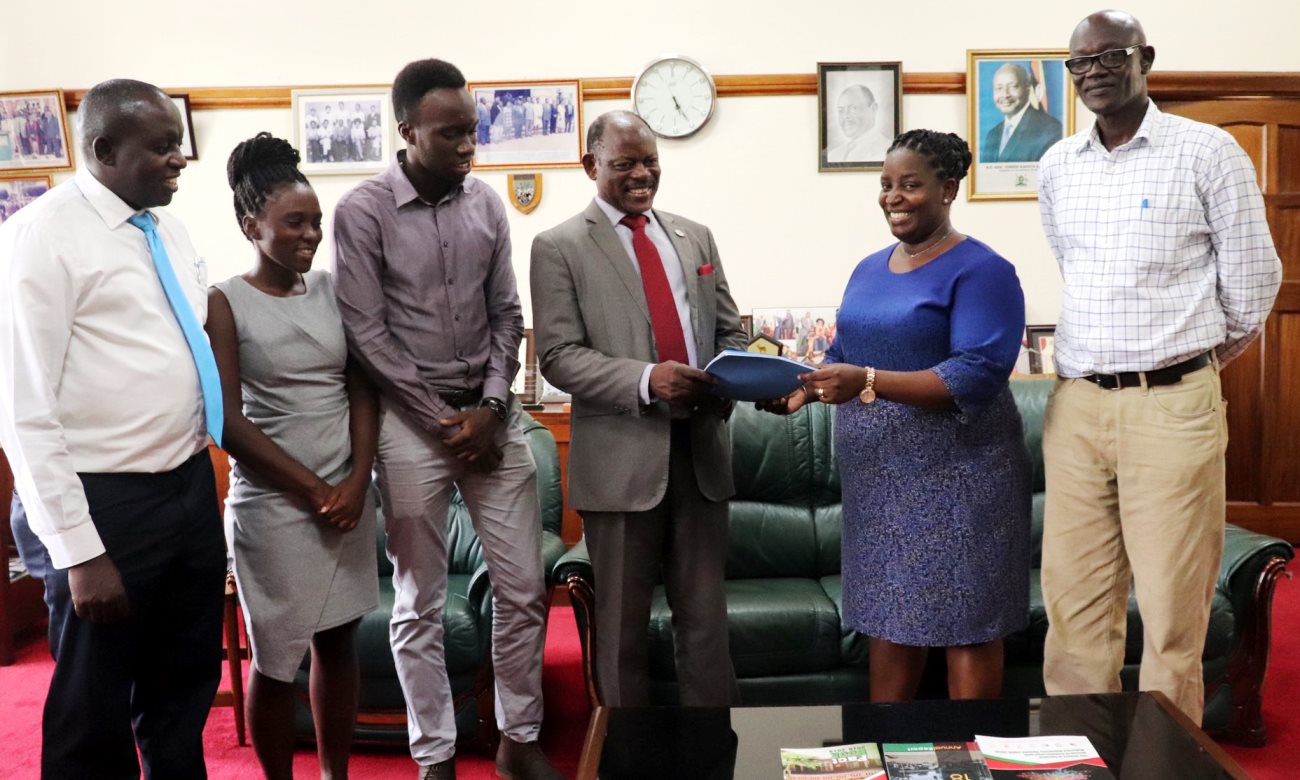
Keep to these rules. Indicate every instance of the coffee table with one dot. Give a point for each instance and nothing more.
(1141, 736)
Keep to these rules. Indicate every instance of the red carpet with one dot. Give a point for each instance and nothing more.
(23, 685)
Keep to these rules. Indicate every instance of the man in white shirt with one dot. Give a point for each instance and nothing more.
(858, 111)
(103, 421)
(1170, 271)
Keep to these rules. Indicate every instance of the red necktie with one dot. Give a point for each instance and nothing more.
(669, 341)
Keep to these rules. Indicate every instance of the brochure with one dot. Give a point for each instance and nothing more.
(842, 762)
(1032, 758)
(934, 761)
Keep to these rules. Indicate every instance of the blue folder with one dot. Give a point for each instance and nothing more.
(751, 376)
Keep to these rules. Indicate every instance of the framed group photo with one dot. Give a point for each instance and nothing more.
(19, 191)
(34, 132)
(345, 130)
(1019, 103)
(859, 111)
(528, 124)
(805, 332)
(188, 147)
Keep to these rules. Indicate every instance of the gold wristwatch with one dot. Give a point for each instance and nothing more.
(868, 394)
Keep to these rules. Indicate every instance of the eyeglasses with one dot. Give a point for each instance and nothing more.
(1110, 59)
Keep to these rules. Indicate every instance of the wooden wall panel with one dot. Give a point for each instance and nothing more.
(1282, 463)
(1241, 388)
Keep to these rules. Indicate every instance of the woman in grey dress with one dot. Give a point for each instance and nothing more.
(301, 427)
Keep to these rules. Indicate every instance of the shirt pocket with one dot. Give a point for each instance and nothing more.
(1162, 228)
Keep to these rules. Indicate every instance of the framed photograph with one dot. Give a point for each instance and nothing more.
(806, 332)
(188, 147)
(345, 130)
(1042, 348)
(859, 111)
(18, 191)
(528, 124)
(34, 132)
(1019, 103)
(747, 325)
(525, 384)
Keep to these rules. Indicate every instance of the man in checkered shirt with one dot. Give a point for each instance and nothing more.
(1158, 225)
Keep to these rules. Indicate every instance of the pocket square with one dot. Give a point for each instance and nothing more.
(705, 270)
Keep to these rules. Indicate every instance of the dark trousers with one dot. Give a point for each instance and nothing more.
(683, 542)
(149, 681)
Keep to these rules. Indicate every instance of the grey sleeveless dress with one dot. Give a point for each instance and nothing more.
(297, 574)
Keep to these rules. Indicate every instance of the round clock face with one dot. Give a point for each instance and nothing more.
(675, 96)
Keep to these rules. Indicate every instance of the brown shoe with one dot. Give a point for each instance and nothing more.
(523, 761)
(443, 770)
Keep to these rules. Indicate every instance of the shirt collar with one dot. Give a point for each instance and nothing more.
(404, 191)
(614, 215)
(1148, 130)
(112, 209)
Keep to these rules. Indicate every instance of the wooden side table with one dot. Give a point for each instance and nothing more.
(22, 603)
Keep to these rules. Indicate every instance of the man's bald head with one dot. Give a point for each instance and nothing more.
(109, 106)
(1117, 25)
(620, 119)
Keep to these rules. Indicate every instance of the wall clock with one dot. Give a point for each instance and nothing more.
(675, 95)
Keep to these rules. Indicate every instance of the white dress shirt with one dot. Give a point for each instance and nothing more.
(672, 268)
(1162, 244)
(871, 146)
(95, 373)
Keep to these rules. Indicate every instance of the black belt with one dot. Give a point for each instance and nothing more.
(462, 398)
(1169, 375)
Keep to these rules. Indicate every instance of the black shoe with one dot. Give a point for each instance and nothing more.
(523, 761)
(443, 770)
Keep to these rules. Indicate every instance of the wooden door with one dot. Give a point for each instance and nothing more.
(1263, 385)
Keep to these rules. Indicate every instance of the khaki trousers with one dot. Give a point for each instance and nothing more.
(1135, 497)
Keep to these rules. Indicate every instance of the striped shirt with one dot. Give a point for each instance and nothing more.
(1162, 244)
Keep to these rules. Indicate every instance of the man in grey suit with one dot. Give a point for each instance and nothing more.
(628, 304)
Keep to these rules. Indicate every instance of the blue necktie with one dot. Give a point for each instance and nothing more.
(200, 349)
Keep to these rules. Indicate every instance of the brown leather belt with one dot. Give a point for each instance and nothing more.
(462, 398)
(1169, 375)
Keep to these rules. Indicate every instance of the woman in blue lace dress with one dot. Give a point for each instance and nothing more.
(928, 438)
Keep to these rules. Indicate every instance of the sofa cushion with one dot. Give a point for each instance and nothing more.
(777, 626)
(770, 540)
(853, 646)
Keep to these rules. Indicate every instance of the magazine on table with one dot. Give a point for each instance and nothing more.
(841, 762)
(934, 761)
(1043, 757)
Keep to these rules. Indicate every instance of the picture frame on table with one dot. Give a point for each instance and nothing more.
(859, 111)
(1019, 102)
(19, 191)
(1041, 340)
(189, 147)
(34, 132)
(805, 332)
(528, 124)
(362, 135)
(525, 384)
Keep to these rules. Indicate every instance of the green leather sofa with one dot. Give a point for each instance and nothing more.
(467, 618)
(783, 583)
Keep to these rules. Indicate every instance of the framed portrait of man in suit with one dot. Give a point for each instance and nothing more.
(859, 111)
(1019, 103)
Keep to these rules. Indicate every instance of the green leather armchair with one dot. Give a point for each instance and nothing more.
(784, 592)
(467, 618)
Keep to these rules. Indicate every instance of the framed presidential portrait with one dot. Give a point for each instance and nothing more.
(528, 124)
(1019, 103)
(34, 132)
(859, 111)
(19, 191)
(188, 147)
(345, 130)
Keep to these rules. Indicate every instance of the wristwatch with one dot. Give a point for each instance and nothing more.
(497, 406)
(868, 394)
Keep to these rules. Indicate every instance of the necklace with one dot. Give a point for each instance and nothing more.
(934, 244)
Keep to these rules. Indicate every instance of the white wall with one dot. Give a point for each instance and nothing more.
(788, 235)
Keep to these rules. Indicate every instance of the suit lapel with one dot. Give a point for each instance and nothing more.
(603, 234)
(686, 255)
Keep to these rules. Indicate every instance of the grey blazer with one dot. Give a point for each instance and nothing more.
(594, 339)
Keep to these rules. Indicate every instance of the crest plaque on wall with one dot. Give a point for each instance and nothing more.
(525, 190)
